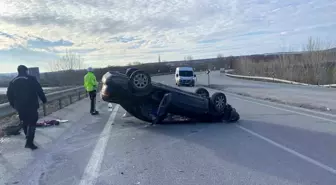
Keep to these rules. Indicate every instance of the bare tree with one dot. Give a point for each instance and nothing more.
(70, 61)
(134, 63)
(220, 56)
(315, 65)
(188, 58)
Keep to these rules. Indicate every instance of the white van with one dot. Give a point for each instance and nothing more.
(185, 76)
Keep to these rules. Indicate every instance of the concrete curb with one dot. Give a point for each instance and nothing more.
(276, 80)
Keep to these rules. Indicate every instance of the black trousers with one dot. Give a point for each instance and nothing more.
(93, 95)
(29, 118)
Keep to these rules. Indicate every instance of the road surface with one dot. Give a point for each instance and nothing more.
(312, 97)
(272, 144)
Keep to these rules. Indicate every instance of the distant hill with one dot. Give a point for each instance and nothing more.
(7, 75)
(297, 52)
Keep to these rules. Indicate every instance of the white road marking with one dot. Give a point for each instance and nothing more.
(306, 158)
(292, 111)
(93, 167)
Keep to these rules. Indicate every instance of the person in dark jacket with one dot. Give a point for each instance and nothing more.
(23, 93)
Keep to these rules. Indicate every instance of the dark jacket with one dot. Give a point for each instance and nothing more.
(23, 93)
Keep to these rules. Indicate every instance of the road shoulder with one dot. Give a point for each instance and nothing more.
(14, 156)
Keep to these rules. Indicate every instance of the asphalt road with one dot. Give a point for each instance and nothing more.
(311, 97)
(272, 144)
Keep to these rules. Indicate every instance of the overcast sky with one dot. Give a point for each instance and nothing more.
(114, 32)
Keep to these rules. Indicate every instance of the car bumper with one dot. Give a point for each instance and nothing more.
(186, 82)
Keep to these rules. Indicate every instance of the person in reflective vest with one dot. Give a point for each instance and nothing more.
(91, 85)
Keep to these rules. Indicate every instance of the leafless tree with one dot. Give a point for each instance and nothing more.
(315, 65)
(134, 63)
(188, 58)
(69, 61)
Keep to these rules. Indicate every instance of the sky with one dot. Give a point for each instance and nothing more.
(114, 32)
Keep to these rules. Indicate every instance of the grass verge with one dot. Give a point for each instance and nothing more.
(316, 65)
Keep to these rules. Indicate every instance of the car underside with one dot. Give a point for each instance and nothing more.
(154, 102)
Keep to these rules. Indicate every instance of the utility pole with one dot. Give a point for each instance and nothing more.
(159, 59)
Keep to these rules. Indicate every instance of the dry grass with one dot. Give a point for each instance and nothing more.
(315, 66)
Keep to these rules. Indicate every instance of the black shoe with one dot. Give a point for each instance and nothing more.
(32, 146)
(95, 113)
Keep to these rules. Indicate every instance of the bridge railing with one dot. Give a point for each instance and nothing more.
(72, 94)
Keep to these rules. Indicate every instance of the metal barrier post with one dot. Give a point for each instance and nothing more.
(60, 103)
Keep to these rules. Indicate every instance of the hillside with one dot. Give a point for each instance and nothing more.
(268, 64)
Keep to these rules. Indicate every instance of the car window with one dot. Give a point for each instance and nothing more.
(186, 73)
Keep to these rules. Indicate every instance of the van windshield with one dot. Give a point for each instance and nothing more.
(186, 73)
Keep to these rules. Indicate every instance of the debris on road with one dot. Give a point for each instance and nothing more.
(110, 107)
(47, 123)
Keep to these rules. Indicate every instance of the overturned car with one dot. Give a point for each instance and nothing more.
(153, 102)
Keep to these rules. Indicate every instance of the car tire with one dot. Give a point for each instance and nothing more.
(129, 71)
(218, 100)
(234, 116)
(202, 92)
(231, 115)
(140, 82)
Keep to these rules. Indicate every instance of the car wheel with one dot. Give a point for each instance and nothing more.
(129, 71)
(202, 92)
(218, 101)
(140, 81)
(234, 116)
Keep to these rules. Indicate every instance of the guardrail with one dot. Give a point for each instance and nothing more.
(7, 110)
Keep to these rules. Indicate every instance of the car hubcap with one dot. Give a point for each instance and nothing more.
(140, 81)
(220, 102)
